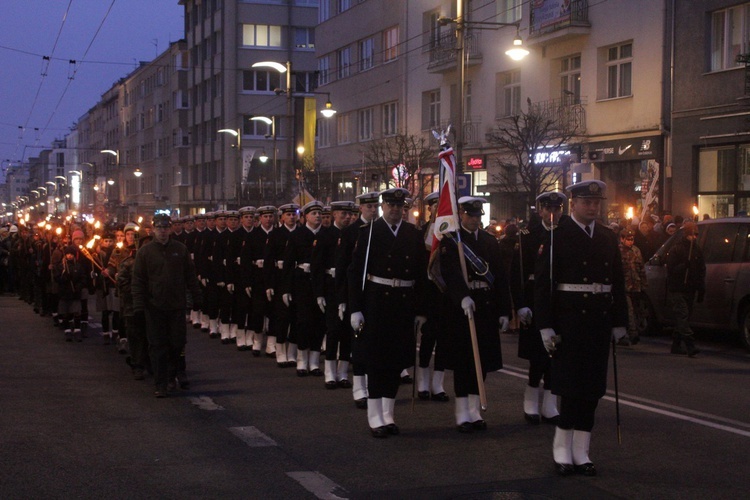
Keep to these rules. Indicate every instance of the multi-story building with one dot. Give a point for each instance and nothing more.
(711, 157)
(603, 66)
(224, 39)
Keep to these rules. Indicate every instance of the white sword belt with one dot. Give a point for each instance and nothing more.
(396, 283)
(590, 288)
(305, 266)
(331, 272)
(478, 285)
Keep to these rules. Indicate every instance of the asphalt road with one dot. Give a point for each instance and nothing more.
(74, 424)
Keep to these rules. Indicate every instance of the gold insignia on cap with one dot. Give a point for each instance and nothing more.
(398, 193)
(594, 187)
(553, 197)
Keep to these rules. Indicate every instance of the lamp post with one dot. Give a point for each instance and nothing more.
(237, 133)
(272, 122)
(517, 52)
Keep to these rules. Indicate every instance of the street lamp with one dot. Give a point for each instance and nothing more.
(272, 122)
(236, 133)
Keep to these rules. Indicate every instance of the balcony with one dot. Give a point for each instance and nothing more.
(546, 26)
(568, 113)
(444, 50)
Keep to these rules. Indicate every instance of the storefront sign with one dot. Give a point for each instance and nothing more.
(476, 162)
(555, 156)
(638, 148)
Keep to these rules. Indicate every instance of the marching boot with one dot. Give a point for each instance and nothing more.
(270, 346)
(257, 343)
(205, 323)
(438, 393)
(233, 329)
(195, 319)
(315, 363)
(463, 418)
(291, 354)
(68, 335)
(405, 377)
(330, 373)
(692, 351)
(106, 338)
(389, 405)
(224, 329)
(342, 375)
(213, 327)
(359, 391)
(241, 340)
(677, 344)
(84, 329)
(562, 451)
(581, 461)
(474, 413)
(281, 359)
(423, 382)
(77, 335)
(531, 405)
(375, 418)
(550, 415)
(303, 362)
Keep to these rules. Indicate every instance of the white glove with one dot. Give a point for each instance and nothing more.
(211, 258)
(286, 299)
(342, 310)
(357, 320)
(468, 306)
(204, 282)
(618, 332)
(524, 315)
(220, 284)
(322, 304)
(269, 294)
(419, 321)
(548, 335)
(504, 322)
(238, 260)
(248, 290)
(230, 288)
(93, 275)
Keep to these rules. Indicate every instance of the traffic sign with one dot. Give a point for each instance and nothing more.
(463, 184)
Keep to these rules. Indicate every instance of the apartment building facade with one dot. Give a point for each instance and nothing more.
(711, 164)
(224, 39)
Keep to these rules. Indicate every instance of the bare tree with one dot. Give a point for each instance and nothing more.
(549, 128)
(407, 152)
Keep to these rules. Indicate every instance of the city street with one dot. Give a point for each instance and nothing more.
(74, 424)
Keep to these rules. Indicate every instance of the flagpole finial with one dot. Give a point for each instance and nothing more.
(442, 136)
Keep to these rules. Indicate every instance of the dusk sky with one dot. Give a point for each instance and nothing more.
(106, 38)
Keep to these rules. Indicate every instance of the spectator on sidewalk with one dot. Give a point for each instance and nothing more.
(635, 284)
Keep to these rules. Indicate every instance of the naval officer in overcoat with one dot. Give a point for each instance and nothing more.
(580, 308)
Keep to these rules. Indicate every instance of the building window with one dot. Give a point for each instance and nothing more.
(431, 30)
(324, 133)
(570, 79)
(365, 124)
(261, 35)
(509, 11)
(508, 99)
(390, 44)
(366, 54)
(261, 81)
(304, 81)
(730, 36)
(430, 109)
(344, 5)
(324, 68)
(304, 38)
(342, 128)
(344, 62)
(390, 118)
(324, 11)
(619, 70)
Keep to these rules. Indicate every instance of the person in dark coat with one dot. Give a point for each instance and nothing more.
(70, 275)
(550, 207)
(389, 256)
(686, 284)
(580, 303)
(484, 297)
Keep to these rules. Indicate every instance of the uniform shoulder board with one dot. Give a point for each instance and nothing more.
(524, 231)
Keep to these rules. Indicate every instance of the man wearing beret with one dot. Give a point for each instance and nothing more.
(386, 282)
(485, 298)
(579, 295)
(550, 206)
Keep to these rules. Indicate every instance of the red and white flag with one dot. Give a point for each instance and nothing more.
(446, 220)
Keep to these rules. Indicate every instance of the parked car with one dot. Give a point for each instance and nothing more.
(726, 306)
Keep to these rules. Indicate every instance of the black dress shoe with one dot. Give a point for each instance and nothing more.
(214, 335)
(204, 330)
(551, 420)
(424, 395)
(161, 393)
(564, 469)
(271, 354)
(379, 432)
(465, 428)
(281, 364)
(361, 403)
(345, 384)
(256, 353)
(479, 425)
(316, 372)
(392, 429)
(197, 326)
(331, 384)
(302, 373)
(291, 364)
(226, 341)
(440, 396)
(586, 469)
(406, 379)
(532, 419)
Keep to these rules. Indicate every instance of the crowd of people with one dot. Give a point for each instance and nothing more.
(342, 293)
